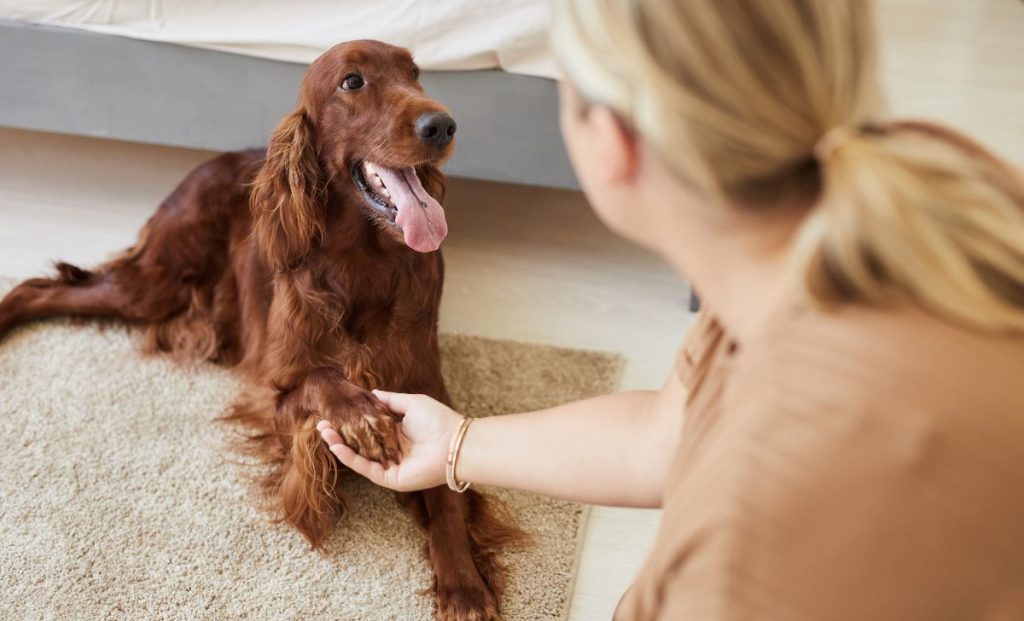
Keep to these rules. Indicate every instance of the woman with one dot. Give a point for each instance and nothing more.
(843, 434)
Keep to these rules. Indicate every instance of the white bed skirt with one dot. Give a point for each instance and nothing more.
(443, 34)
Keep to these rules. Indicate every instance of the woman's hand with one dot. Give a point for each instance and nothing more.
(427, 427)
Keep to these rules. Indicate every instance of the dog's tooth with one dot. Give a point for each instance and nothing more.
(385, 192)
(369, 168)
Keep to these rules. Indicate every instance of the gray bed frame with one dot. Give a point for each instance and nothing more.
(72, 81)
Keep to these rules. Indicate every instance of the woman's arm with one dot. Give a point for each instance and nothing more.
(613, 450)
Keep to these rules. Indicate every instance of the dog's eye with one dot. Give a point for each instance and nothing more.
(416, 73)
(352, 82)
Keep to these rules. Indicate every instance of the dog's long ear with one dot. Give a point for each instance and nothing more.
(434, 181)
(288, 194)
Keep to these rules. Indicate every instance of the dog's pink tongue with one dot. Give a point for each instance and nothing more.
(420, 216)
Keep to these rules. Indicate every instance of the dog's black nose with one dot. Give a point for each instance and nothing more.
(435, 129)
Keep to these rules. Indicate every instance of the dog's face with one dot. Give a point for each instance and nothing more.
(376, 127)
(363, 128)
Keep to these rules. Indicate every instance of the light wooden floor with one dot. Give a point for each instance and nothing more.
(524, 262)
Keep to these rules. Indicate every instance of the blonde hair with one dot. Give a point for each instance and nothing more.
(735, 96)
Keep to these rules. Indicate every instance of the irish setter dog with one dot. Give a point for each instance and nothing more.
(313, 269)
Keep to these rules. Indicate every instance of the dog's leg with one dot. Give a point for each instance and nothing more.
(465, 536)
(466, 533)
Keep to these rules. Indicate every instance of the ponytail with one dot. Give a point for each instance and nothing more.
(916, 212)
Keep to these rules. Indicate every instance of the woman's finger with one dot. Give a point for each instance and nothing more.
(330, 436)
(359, 464)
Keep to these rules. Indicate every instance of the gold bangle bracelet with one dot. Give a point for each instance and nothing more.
(453, 456)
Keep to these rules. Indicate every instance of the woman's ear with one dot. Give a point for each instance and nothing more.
(288, 194)
(617, 144)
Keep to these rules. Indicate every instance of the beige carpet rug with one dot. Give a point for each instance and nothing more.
(117, 500)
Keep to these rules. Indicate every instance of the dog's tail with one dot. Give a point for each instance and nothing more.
(68, 274)
(37, 298)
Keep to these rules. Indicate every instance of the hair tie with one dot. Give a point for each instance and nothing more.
(831, 142)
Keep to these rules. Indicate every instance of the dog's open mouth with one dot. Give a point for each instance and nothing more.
(398, 195)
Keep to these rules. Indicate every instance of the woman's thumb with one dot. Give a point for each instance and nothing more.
(397, 402)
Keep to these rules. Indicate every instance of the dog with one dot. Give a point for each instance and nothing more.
(313, 269)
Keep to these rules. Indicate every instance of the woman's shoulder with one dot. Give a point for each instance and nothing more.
(881, 393)
(881, 359)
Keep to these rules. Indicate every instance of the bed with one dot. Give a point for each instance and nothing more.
(219, 75)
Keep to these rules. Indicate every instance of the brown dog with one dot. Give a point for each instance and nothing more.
(312, 268)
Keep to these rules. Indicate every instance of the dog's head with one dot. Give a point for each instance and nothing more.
(364, 124)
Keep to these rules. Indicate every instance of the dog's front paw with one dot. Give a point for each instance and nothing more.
(467, 602)
(369, 428)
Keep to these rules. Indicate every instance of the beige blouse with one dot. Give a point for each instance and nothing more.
(856, 465)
